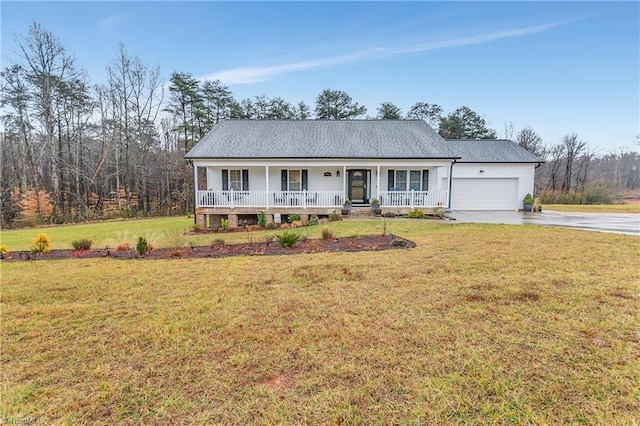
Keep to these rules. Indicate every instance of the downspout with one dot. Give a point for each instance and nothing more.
(451, 180)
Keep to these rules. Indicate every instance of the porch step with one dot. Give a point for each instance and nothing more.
(361, 212)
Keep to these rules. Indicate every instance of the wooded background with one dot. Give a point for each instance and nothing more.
(73, 150)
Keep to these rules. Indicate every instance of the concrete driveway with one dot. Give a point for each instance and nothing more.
(620, 223)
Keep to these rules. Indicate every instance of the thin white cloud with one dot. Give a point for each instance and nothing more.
(256, 74)
(111, 21)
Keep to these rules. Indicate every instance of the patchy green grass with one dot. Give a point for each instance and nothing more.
(159, 230)
(594, 208)
(478, 324)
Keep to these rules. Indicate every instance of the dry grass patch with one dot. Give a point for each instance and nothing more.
(595, 208)
(479, 323)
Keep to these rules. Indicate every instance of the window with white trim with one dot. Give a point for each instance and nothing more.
(408, 180)
(235, 180)
(294, 180)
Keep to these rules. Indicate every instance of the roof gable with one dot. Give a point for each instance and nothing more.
(321, 139)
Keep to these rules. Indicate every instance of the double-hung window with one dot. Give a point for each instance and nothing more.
(408, 180)
(235, 179)
(294, 180)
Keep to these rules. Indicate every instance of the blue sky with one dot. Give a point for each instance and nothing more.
(559, 67)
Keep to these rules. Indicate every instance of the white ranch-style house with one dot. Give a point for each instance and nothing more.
(242, 167)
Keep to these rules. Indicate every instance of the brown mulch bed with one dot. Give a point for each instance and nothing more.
(346, 244)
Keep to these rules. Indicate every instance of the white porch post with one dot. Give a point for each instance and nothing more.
(378, 183)
(266, 177)
(344, 182)
(195, 187)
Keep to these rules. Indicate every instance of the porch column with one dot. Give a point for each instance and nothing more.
(266, 178)
(344, 182)
(195, 186)
(378, 183)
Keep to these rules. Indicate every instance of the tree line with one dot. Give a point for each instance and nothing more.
(73, 150)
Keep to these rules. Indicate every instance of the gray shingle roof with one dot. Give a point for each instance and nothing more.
(321, 139)
(491, 151)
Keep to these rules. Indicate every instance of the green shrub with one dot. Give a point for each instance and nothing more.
(327, 234)
(334, 216)
(224, 224)
(314, 220)
(40, 244)
(82, 244)
(262, 220)
(288, 238)
(293, 218)
(271, 225)
(142, 247)
(195, 227)
(416, 214)
(528, 199)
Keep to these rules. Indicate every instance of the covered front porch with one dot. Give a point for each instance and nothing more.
(315, 184)
(237, 190)
(296, 200)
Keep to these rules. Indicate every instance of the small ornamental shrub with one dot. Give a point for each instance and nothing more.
(327, 234)
(262, 220)
(224, 224)
(297, 224)
(123, 246)
(82, 244)
(416, 214)
(438, 212)
(271, 225)
(195, 227)
(40, 244)
(334, 216)
(293, 218)
(528, 199)
(142, 247)
(3, 251)
(288, 238)
(314, 220)
(218, 243)
(537, 205)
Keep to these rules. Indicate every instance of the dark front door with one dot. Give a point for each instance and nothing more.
(357, 186)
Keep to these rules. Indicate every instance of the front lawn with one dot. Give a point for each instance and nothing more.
(478, 324)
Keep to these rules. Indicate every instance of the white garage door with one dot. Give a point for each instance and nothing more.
(484, 194)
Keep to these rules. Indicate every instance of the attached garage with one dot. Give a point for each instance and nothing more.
(491, 175)
(484, 194)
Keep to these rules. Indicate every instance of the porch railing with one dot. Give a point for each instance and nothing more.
(413, 199)
(322, 199)
(264, 199)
